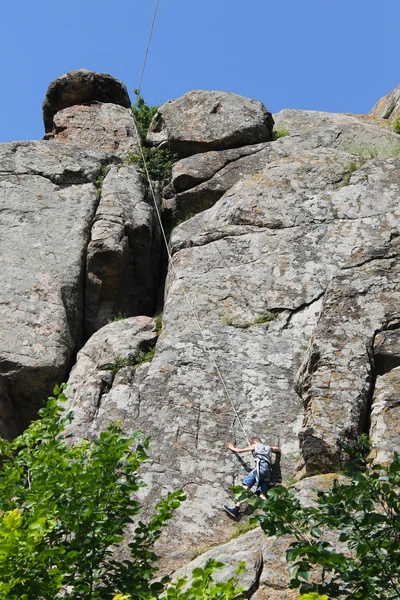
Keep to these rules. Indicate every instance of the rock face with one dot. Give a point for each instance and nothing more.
(123, 256)
(388, 107)
(72, 257)
(105, 375)
(48, 201)
(267, 574)
(281, 308)
(82, 87)
(338, 377)
(200, 121)
(200, 180)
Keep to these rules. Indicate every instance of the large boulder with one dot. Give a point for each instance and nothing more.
(47, 203)
(82, 87)
(388, 107)
(124, 254)
(201, 121)
(99, 126)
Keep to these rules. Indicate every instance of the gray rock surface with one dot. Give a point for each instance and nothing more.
(267, 573)
(124, 253)
(98, 126)
(294, 267)
(208, 120)
(200, 180)
(385, 425)
(299, 121)
(82, 87)
(388, 107)
(47, 203)
(268, 248)
(337, 379)
(104, 385)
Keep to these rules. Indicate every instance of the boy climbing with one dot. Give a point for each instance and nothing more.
(261, 474)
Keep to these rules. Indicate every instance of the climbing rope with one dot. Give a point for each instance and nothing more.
(170, 259)
(147, 47)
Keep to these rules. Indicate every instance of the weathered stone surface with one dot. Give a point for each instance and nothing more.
(47, 203)
(299, 121)
(200, 180)
(269, 246)
(267, 573)
(190, 172)
(99, 126)
(61, 164)
(385, 423)
(336, 380)
(103, 386)
(208, 120)
(388, 107)
(123, 258)
(82, 87)
(385, 417)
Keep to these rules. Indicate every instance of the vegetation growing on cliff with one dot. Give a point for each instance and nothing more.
(159, 162)
(64, 511)
(143, 113)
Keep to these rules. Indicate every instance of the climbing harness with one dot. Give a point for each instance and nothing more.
(263, 462)
(170, 259)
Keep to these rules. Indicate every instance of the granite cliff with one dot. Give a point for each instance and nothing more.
(284, 251)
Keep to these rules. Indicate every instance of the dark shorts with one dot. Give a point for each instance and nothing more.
(263, 484)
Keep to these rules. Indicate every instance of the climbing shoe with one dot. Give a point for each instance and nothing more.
(232, 512)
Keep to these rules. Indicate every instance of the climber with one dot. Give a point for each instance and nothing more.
(261, 473)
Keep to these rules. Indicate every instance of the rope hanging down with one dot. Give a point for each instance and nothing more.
(170, 259)
(147, 47)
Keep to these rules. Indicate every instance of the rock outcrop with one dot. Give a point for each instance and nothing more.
(108, 372)
(388, 107)
(76, 251)
(200, 121)
(285, 279)
(98, 126)
(337, 380)
(123, 263)
(48, 201)
(82, 87)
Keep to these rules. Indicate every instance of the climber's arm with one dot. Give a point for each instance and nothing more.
(231, 447)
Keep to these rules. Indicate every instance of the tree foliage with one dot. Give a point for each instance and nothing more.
(143, 113)
(364, 511)
(159, 162)
(64, 508)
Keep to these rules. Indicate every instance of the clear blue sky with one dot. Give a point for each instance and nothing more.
(332, 55)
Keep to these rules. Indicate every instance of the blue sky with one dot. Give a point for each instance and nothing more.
(332, 55)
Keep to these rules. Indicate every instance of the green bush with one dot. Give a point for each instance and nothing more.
(159, 162)
(365, 514)
(280, 132)
(396, 126)
(64, 509)
(143, 113)
(202, 586)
